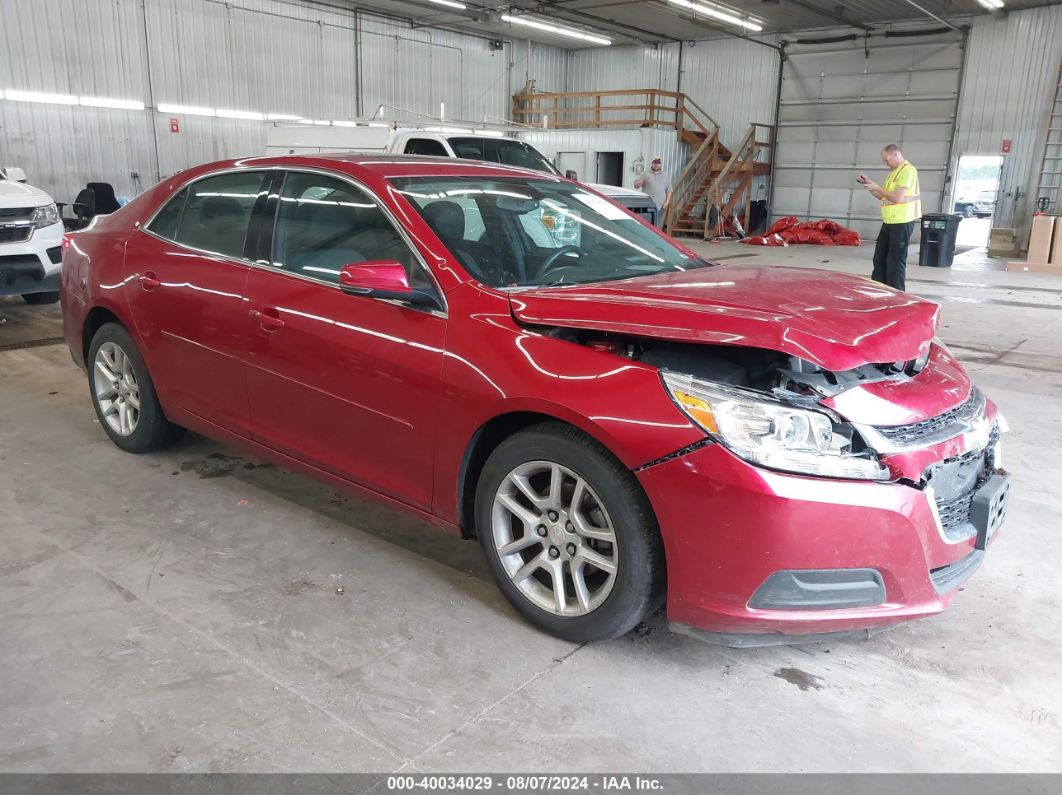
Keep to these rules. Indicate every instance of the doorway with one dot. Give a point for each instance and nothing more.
(571, 161)
(610, 168)
(975, 197)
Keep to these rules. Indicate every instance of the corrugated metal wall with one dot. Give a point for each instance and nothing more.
(715, 74)
(638, 146)
(1012, 67)
(265, 56)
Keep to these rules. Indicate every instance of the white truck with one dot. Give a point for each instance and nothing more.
(476, 144)
(31, 236)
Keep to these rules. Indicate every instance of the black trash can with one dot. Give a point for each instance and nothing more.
(939, 231)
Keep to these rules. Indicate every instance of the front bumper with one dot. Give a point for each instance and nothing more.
(729, 528)
(32, 265)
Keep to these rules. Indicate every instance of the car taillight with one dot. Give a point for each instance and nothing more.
(66, 242)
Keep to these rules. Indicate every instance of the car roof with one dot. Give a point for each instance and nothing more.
(387, 165)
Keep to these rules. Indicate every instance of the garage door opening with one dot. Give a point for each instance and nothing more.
(976, 194)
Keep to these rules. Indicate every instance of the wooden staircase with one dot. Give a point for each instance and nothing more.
(717, 182)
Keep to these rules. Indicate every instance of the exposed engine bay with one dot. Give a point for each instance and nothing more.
(785, 377)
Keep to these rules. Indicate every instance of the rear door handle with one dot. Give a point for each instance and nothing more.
(149, 280)
(269, 318)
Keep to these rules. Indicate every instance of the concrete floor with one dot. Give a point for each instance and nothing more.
(195, 611)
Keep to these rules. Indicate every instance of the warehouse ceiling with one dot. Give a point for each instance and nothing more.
(628, 21)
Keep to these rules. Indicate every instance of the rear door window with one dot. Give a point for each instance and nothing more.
(218, 211)
(168, 219)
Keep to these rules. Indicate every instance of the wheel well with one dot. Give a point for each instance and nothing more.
(97, 317)
(484, 441)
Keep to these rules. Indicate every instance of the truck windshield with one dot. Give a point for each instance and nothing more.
(502, 150)
(538, 232)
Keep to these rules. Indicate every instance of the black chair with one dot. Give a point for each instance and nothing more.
(106, 201)
(84, 207)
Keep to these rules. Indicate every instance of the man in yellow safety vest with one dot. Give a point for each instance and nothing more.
(901, 207)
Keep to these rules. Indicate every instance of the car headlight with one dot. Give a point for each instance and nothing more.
(45, 216)
(772, 433)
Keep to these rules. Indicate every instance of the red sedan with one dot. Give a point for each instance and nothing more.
(775, 452)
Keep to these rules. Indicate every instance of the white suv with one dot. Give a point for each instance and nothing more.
(31, 236)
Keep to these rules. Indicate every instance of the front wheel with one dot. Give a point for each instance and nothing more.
(123, 393)
(569, 534)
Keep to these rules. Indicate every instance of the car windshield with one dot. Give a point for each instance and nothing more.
(502, 150)
(529, 232)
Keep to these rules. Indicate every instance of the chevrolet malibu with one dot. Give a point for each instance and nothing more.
(778, 454)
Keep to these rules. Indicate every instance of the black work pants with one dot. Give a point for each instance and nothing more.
(890, 254)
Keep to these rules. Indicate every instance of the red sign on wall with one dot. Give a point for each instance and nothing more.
(1005, 149)
(175, 126)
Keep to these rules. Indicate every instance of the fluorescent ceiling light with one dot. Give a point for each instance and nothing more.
(556, 30)
(250, 115)
(36, 96)
(318, 122)
(344, 124)
(721, 13)
(282, 117)
(189, 110)
(449, 4)
(104, 102)
(992, 5)
(378, 124)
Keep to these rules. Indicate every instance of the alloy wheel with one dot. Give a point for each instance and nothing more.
(117, 391)
(554, 538)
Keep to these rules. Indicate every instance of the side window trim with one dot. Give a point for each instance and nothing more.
(418, 258)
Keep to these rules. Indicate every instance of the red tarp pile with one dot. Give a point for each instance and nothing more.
(817, 233)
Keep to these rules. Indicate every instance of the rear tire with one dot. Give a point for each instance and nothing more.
(551, 503)
(123, 393)
(39, 299)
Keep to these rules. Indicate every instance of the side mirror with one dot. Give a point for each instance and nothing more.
(13, 174)
(383, 278)
(572, 175)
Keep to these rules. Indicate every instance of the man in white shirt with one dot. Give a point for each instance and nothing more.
(657, 184)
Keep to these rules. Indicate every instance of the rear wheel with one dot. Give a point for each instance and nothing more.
(37, 299)
(569, 534)
(123, 393)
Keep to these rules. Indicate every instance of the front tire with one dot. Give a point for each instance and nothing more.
(39, 299)
(123, 393)
(569, 534)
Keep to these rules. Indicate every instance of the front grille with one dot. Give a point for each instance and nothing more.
(955, 513)
(954, 508)
(15, 234)
(16, 213)
(915, 433)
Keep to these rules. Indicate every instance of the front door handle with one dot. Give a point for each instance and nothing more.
(269, 318)
(149, 280)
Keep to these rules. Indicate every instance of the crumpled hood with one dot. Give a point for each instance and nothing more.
(834, 320)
